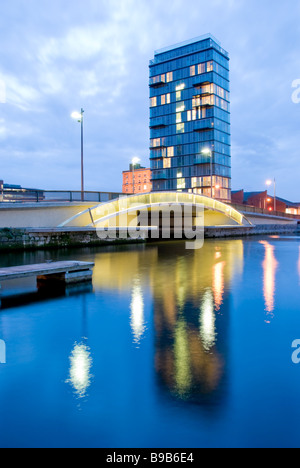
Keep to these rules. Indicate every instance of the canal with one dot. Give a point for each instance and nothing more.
(168, 348)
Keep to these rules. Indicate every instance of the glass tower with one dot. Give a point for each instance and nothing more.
(190, 119)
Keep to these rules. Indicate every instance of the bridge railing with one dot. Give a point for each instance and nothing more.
(41, 196)
(254, 210)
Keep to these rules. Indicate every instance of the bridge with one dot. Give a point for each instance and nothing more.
(112, 209)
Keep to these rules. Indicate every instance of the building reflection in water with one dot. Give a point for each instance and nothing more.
(191, 308)
(270, 266)
(191, 321)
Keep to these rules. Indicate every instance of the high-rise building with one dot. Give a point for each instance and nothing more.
(190, 119)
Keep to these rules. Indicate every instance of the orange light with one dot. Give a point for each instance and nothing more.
(270, 209)
(217, 187)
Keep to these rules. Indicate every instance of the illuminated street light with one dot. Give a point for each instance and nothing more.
(79, 117)
(133, 163)
(208, 152)
(269, 183)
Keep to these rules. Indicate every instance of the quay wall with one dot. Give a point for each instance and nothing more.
(34, 239)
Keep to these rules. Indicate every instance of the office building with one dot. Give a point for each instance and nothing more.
(190, 119)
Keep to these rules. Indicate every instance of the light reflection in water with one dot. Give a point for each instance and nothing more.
(218, 283)
(137, 312)
(190, 344)
(270, 265)
(80, 369)
(208, 321)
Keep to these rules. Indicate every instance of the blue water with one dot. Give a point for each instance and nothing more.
(169, 348)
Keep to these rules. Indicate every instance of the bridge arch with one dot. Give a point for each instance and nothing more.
(102, 213)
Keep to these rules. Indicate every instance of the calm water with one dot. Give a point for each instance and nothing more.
(169, 348)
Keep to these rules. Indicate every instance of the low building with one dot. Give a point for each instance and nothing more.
(14, 193)
(265, 202)
(142, 180)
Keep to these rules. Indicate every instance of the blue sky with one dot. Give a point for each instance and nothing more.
(59, 56)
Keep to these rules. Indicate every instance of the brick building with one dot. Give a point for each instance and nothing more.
(265, 201)
(142, 180)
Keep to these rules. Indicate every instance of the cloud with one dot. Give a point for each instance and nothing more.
(95, 55)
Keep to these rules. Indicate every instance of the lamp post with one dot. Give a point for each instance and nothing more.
(133, 163)
(269, 183)
(79, 117)
(208, 152)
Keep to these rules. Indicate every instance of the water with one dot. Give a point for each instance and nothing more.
(170, 348)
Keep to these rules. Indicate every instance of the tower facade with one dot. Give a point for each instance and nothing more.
(190, 148)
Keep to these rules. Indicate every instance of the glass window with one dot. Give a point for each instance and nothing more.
(180, 107)
(193, 71)
(201, 68)
(153, 102)
(163, 100)
(169, 77)
(170, 151)
(181, 184)
(180, 128)
(210, 66)
(167, 163)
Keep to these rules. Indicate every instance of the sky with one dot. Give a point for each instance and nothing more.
(59, 56)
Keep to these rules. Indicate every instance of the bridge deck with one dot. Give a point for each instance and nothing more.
(44, 269)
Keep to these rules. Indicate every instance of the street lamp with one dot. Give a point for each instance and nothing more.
(133, 163)
(269, 183)
(79, 117)
(208, 152)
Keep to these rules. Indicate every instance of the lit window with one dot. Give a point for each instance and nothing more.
(163, 99)
(170, 151)
(180, 107)
(180, 128)
(181, 183)
(167, 163)
(180, 87)
(193, 70)
(153, 102)
(169, 98)
(201, 68)
(189, 116)
(169, 77)
(210, 66)
(178, 118)
(156, 142)
(196, 101)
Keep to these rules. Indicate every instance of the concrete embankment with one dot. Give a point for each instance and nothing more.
(33, 239)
